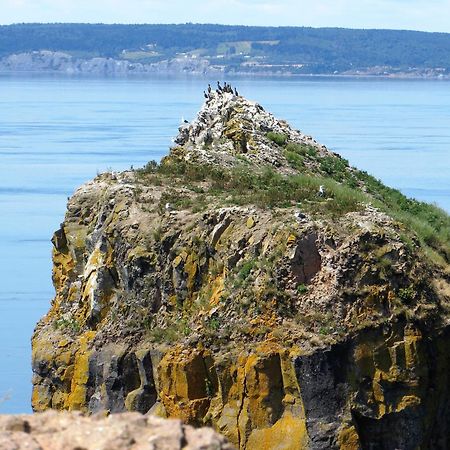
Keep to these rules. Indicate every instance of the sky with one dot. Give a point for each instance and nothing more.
(424, 15)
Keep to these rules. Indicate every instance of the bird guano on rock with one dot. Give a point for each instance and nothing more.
(225, 89)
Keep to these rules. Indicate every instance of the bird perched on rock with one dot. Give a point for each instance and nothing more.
(169, 208)
(299, 216)
(209, 88)
(219, 87)
(205, 94)
(236, 92)
(321, 192)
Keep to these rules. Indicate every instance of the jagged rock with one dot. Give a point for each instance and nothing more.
(127, 431)
(228, 126)
(325, 332)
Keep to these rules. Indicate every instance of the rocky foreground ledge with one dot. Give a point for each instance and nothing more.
(127, 431)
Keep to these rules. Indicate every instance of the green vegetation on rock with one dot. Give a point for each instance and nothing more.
(270, 189)
(258, 285)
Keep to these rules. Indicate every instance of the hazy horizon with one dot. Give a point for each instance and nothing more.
(412, 15)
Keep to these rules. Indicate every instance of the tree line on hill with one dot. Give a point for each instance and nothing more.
(320, 49)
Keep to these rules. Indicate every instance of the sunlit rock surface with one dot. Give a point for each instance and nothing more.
(254, 283)
(126, 431)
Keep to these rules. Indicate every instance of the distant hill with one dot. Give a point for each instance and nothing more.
(241, 48)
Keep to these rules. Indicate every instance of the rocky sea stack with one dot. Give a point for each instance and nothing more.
(256, 283)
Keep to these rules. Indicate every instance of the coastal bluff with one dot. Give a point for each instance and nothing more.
(256, 283)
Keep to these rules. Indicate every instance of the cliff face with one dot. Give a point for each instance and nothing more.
(256, 283)
(48, 61)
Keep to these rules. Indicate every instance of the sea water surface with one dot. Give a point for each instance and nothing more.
(58, 132)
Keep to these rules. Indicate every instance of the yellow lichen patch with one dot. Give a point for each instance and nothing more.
(96, 259)
(74, 293)
(288, 433)
(63, 266)
(408, 401)
(270, 396)
(43, 350)
(63, 343)
(77, 397)
(292, 239)
(182, 382)
(67, 374)
(378, 392)
(413, 339)
(235, 130)
(59, 400)
(41, 398)
(250, 222)
(232, 382)
(348, 439)
(217, 288)
(191, 269)
(76, 236)
(390, 361)
(64, 358)
(291, 388)
(267, 319)
(177, 261)
(47, 353)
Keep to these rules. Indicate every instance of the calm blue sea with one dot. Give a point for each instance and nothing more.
(57, 132)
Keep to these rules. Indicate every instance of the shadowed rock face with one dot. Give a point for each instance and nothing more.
(307, 324)
(392, 377)
(127, 431)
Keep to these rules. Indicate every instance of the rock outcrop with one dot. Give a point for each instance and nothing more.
(126, 431)
(255, 283)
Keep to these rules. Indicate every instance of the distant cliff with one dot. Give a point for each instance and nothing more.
(253, 282)
(50, 62)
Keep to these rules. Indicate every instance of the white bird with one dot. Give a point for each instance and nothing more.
(169, 208)
(321, 192)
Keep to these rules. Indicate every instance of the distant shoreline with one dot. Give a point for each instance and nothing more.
(223, 50)
(226, 75)
(59, 62)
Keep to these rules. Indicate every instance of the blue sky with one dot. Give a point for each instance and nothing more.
(426, 15)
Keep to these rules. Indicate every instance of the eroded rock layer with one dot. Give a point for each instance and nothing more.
(256, 283)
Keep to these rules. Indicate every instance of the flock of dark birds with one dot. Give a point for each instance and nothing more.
(220, 90)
